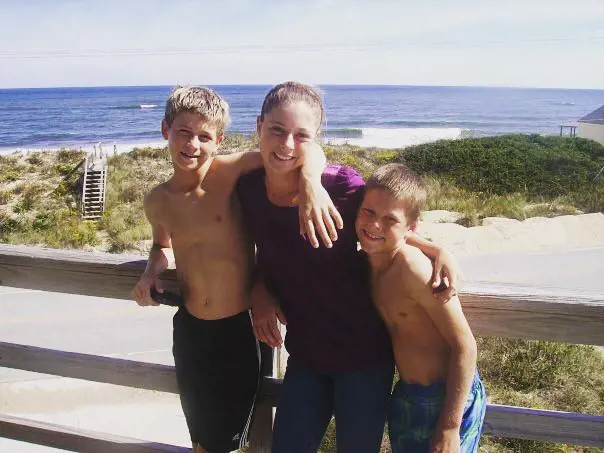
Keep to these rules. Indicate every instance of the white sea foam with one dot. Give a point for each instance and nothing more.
(147, 106)
(399, 137)
(108, 149)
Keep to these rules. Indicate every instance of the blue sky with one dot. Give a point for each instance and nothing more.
(526, 43)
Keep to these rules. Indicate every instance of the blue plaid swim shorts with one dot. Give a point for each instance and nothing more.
(415, 409)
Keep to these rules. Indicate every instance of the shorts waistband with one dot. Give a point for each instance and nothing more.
(437, 388)
(238, 319)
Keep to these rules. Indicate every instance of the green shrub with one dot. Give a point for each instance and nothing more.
(56, 229)
(35, 159)
(150, 153)
(31, 196)
(8, 225)
(238, 142)
(125, 226)
(12, 172)
(63, 169)
(5, 196)
(69, 156)
(533, 165)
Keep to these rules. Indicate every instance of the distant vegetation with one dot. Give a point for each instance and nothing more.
(514, 176)
(517, 176)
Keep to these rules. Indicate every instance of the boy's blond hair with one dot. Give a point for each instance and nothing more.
(288, 92)
(403, 185)
(203, 101)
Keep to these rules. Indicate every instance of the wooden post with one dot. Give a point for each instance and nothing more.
(261, 431)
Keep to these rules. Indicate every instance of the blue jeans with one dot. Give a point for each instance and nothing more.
(357, 399)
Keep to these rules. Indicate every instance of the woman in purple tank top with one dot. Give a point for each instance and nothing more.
(340, 360)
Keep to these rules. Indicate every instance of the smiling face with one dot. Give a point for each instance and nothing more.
(282, 134)
(191, 140)
(381, 222)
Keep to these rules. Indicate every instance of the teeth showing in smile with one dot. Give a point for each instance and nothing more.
(283, 158)
(371, 236)
(189, 156)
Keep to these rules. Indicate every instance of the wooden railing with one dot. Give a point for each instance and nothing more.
(492, 310)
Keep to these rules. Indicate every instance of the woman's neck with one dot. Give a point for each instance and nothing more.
(282, 188)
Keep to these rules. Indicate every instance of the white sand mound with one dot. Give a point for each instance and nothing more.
(509, 235)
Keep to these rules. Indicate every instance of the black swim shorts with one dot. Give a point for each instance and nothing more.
(217, 368)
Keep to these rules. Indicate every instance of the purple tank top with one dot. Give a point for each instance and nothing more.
(332, 324)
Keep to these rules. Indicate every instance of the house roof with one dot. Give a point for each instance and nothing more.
(595, 117)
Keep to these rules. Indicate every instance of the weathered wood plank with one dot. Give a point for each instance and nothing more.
(498, 310)
(552, 426)
(535, 313)
(73, 272)
(505, 421)
(261, 431)
(72, 439)
(148, 376)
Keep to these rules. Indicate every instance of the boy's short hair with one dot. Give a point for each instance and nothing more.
(403, 185)
(204, 101)
(288, 92)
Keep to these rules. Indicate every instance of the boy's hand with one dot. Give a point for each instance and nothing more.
(265, 313)
(446, 276)
(446, 441)
(142, 291)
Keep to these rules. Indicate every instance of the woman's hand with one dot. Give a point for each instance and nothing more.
(317, 213)
(447, 275)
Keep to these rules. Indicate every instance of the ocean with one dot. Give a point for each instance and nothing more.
(381, 116)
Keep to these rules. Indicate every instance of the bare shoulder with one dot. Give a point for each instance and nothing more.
(155, 200)
(414, 268)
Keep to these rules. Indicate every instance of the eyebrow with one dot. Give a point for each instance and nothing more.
(279, 123)
(394, 217)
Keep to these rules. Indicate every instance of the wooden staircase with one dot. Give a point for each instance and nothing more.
(93, 187)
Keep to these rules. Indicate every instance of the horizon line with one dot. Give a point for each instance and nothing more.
(316, 84)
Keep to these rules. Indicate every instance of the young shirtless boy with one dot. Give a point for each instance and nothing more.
(195, 220)
(438, 405)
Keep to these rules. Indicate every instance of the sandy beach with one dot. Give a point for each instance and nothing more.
(498, 235)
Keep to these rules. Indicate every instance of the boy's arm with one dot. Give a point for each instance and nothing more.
(160, 256)
(316, 211)
(264, 306)
(446, 268)
(265, 313)
(453, 326)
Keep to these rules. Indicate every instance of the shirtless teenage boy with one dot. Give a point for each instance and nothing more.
(439, 403)
(195, 219)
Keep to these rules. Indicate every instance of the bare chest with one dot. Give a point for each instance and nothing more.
(199, 214)
(394, 301)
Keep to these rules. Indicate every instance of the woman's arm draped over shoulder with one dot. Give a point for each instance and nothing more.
(446, 269)
(316, 210)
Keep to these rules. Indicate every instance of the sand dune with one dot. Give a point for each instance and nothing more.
(508, 235)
